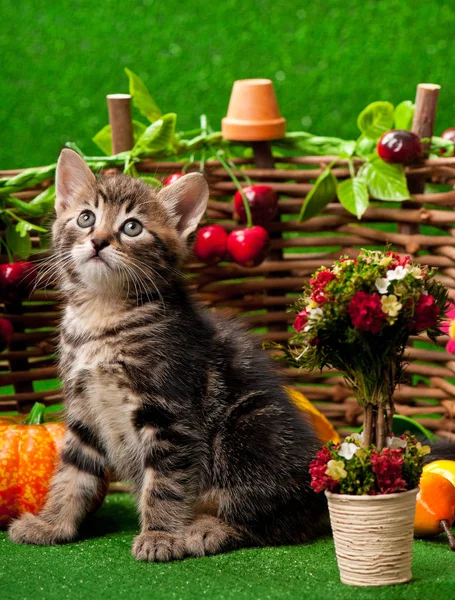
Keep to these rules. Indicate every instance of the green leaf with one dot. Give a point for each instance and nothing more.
(404, 114)
(25, 208)
(439, 145)
(23, 227)
(103, 139)
(151, 181)
(45, 201)
(353, 195)
(323, 192)
(385, 181)
(376, 119)
(365, 147)
(313, 145)
(142, 99)
(17, 243)
(157, 136)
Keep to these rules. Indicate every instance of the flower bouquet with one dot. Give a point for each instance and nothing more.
(357, 317)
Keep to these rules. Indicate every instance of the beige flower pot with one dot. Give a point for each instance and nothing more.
(373, 537)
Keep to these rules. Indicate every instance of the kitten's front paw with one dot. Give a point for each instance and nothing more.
(29, 529)
(158, 546)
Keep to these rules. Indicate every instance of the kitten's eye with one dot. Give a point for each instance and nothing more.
(86, 219)
(132, 228)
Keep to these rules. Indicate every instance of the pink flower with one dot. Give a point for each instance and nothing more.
(450, 314)
(301, 320)
(425, 314)
(366, 312)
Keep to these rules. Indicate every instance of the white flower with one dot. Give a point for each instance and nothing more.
(314, 314)
(382, 285)
(396, 274)
(416, 272)
(357, 437)
(395, 442)
(348, 450)
(390, 305)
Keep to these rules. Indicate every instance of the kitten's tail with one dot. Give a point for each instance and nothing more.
(440, 451)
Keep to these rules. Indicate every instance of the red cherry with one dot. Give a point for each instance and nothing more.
(170, 179)
(399, 146)
(211, 244)
(263, 201)
(249, 247)
(6, 334)
(16, 280)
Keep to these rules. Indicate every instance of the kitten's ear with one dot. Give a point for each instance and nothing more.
(71, 175)
(186, 201)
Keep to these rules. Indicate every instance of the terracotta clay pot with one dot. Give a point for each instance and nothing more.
(373, 537)
(253, 114)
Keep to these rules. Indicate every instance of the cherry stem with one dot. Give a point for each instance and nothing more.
(8, 251)
(36, 416)
(230, 172)
(446, 527)
(244, 175)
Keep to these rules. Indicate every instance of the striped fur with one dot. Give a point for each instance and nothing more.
(164, 394)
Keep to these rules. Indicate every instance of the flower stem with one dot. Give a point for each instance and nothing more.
(8, 251)
(230, 172)
(368, 426)
(380, 426)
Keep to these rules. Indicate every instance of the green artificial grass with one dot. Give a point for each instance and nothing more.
(101, 566)
(327, 58)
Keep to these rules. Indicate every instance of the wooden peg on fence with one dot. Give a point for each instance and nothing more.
(119, 106)
(422, 125)
(425, 112)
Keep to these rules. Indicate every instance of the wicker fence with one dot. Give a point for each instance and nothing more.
(423, 227)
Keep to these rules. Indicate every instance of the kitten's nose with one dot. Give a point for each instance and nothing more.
(99, 244)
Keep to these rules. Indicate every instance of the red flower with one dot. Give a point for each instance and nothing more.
(322, 279)
(399, 261)
(425, 314)
(319, 296)
(387, 468)
(319, 480)
(301, 320)
(342, 260)
(366, 312)
(318, 284)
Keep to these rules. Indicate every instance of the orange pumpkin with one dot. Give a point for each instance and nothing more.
(435, 506)
(29, 453)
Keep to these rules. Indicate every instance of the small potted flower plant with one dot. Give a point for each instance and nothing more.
(356, 317)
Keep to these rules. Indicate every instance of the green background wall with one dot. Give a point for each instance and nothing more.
(328, 59)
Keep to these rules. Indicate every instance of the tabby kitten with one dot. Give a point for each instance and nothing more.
(158, 390)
